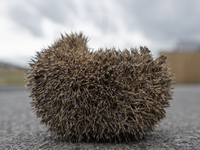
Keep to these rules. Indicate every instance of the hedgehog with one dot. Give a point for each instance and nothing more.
(103, 95)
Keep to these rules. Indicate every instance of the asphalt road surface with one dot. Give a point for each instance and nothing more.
(20, 129)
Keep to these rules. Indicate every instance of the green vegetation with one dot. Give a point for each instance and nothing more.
(11, 76)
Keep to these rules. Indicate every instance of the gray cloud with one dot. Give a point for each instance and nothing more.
(65, 12)
(103, 15)
(30, 14)
(26, 19)
(164, 21)
(161, 21)
(58, 11)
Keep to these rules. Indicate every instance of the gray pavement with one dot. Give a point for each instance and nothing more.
(20, 129)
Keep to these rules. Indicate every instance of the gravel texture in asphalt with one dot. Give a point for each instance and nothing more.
(20, 129)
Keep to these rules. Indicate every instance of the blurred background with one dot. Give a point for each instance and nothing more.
(166, 27)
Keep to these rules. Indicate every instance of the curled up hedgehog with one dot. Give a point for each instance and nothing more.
(104, 95)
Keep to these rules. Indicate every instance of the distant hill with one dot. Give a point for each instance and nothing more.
(188, 45)
(11, 74)
(9, 65)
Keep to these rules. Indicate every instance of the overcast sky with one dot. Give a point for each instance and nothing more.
(27, 26)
